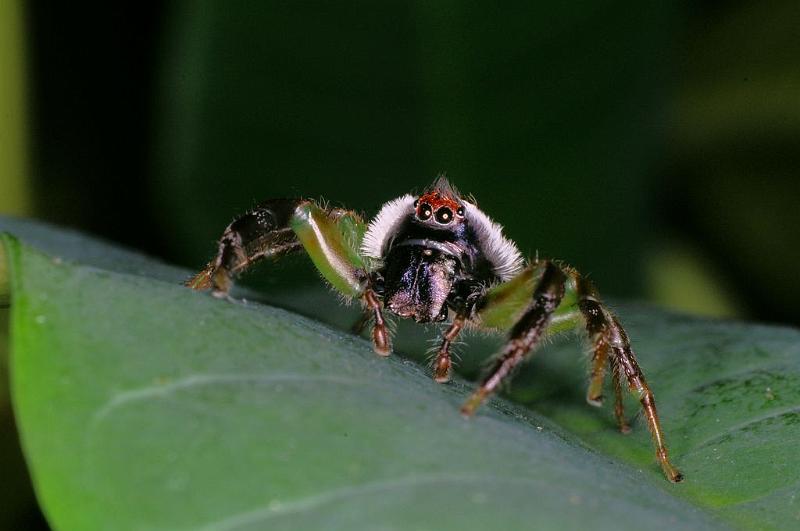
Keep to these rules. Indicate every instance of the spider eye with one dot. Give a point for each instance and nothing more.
(425, 211)
(444, 215)
(460, 212)
(416, 202)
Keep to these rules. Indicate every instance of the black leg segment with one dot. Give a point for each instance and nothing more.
(263, 232)
(524, 336)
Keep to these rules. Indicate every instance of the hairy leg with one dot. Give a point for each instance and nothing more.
(619, 406)
(594, 395)
(604, 327)
(274, 228)
(525, 334)
(381, 340)
(442, 363)
(261, 233)
(330, 237)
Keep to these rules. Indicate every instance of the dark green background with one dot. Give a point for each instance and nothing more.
(605, 135)
(627, 138)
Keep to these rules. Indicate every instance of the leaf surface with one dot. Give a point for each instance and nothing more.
(144, 405)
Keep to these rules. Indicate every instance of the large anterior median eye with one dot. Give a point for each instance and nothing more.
(444, 215)
(424, 211)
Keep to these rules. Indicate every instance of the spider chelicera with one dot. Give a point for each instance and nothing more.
(434, 257)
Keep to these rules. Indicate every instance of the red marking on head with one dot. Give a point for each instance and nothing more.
(434, 201)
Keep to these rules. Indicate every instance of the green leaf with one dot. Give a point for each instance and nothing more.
(142, 404)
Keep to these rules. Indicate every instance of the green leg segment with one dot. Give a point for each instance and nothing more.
(505, 303)
(329, 241)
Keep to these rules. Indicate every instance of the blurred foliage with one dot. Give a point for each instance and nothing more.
(17, 503)
(680, 276)
(732, 183)
(91, 101)
(14, 183)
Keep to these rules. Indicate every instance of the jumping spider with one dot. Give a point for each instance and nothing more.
(432, 257)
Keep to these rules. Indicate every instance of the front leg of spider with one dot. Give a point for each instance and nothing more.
(262, 233)
(441, 362)
(330, 237)
(525, 335)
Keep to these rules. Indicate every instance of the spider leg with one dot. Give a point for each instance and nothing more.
(619, 406)
(261, 233)
(442, 363)
(330, 237)
(525, 334)
(332, 241)
(381, 341)
(557, 292)
(594, 395)
(604, 328)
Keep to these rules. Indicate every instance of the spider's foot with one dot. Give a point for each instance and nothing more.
(200, 281)
(217, 280)
(473, 402)
(595, 401)
(624, 429)
(382, 352)
(441, 369)
(672, 473)
(380, 341)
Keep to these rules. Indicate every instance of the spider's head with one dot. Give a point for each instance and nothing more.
(439, 205)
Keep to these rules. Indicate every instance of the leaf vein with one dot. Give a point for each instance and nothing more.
(123, 398)
(276, 508)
